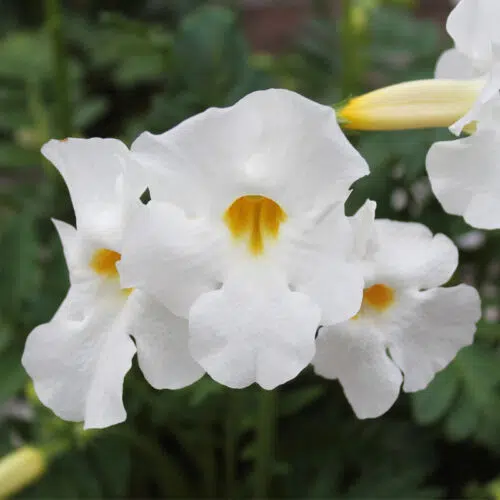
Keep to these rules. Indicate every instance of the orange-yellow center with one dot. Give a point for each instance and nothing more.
(104, 261)
(378, 297)
(254, 218)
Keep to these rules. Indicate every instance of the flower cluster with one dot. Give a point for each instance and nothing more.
(242, 265)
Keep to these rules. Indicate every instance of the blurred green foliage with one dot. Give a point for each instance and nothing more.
(147, 67)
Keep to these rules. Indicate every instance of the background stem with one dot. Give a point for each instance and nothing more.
(53, 16)
(266, 434)
(231, 437)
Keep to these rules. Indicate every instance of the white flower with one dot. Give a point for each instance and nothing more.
(246, 235)
(79, 359)
(407, 328)
(465, 173)
(473, 26)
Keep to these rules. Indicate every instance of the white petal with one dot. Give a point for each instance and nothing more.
(465, 177)
(99, 174)
(323, 264)
(77, 252)
(336, 287)
(429, 328)
(170, 256)
(408, 255)
(488, 94)
(355, 353)
(469, 26)
(362, 223)
(254, 329)
(78, 366)
(162, 345)
(273, 143)
(454, 65)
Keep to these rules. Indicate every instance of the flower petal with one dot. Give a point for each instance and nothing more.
(162, 345)
(429, 328)
(355, 353)
(473, 25)
(465, 177)
(454, 65)
(273, 143)
(323, 264)
(78, 365)
(488, 94)
(170, 256)
(408, 255)
(254, 329)
(100, 175)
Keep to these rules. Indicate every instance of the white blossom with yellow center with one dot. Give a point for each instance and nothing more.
(408, 327)
(246, 234)
(79, 359)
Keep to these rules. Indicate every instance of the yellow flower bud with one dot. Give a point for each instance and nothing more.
(411, 105)
(20, 468)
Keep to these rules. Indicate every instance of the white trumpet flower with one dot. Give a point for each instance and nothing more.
(408, 327)
(79, 359)
(246, 235)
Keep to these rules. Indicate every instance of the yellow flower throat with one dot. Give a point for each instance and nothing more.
(253, 219)
(104, 261)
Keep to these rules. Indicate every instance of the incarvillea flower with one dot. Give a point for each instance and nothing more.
(79, 359)
(408, 326)
(241, 256)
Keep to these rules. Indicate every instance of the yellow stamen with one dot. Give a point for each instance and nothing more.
(254, 218)
(411, 105)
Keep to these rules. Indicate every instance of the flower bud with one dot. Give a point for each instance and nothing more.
(20, 468)
(411, 105)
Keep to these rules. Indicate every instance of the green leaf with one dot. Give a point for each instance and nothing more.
(12, 374)
(433, 402)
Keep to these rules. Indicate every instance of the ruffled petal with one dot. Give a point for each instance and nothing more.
(162, 345)
(78, 363)
(469, 26)
(465, 177)
(355, 353)
(273, 143)
(407, 255)
(254, 329)
(103, 182)
(170, 256)
(429, 328)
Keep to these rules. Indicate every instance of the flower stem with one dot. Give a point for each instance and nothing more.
(231, 437)
(265, 442)
(351, 38)
(54, 28)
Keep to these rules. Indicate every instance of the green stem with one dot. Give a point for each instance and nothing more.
(53, 17)
(265, 443)
(351, 51)
(231, 437)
